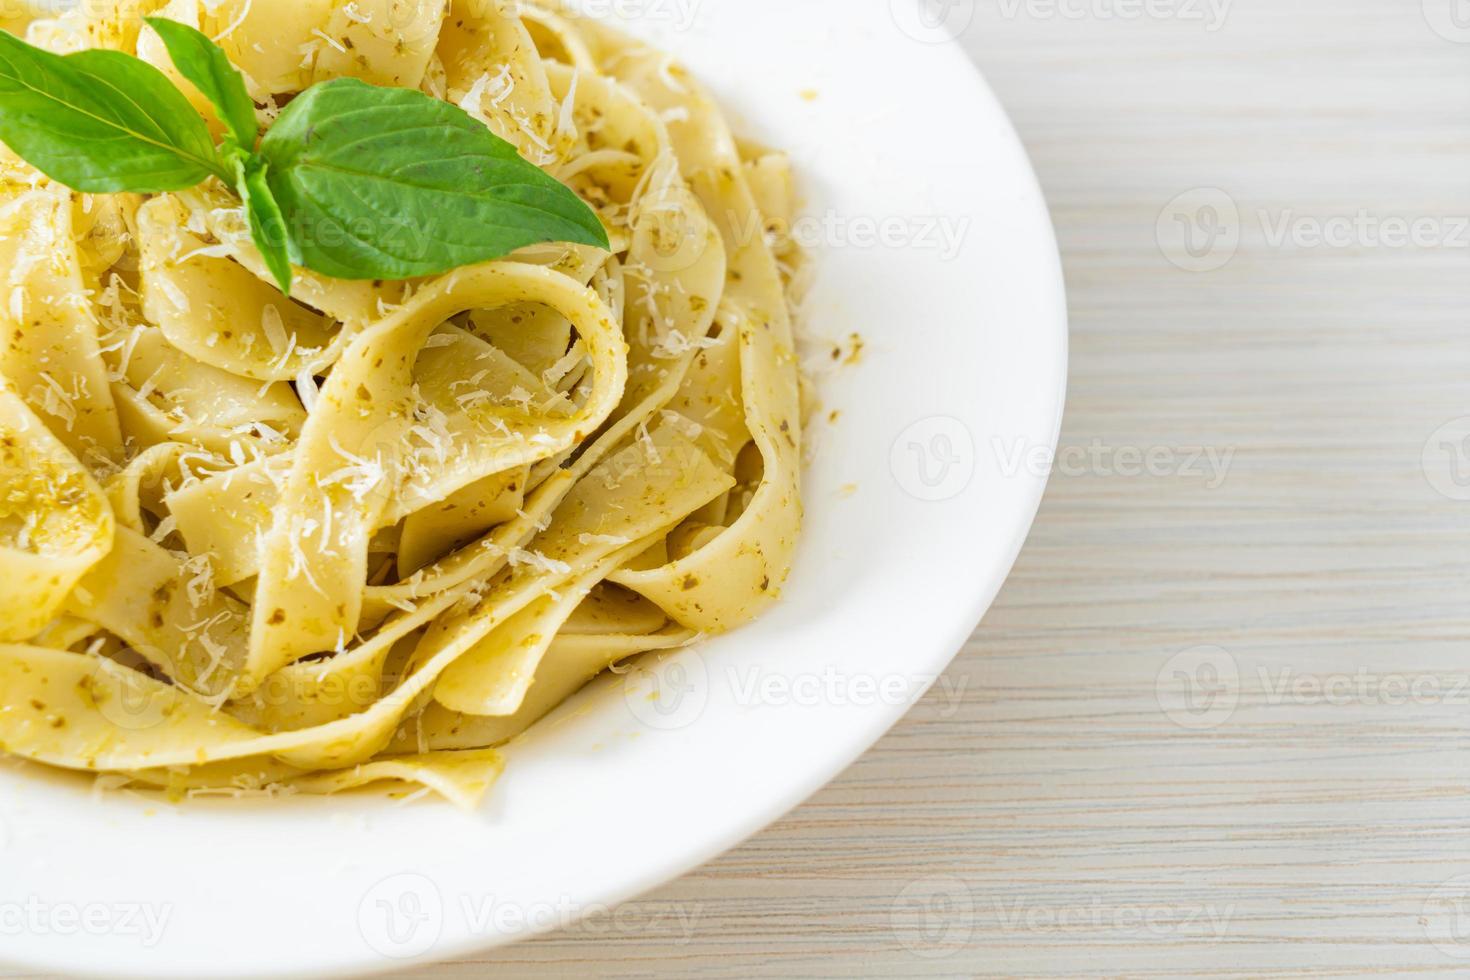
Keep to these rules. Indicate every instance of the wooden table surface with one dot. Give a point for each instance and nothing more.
(1218, 722)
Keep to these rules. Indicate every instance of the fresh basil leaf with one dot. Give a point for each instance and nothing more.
(205, 64)
(267, 225)
(101, 121)
(386, 183)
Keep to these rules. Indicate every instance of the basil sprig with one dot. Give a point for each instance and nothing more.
(101, 122)
(205, 64)
(354, 181)
(390, 179)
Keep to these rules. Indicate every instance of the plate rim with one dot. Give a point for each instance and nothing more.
(881, 722)
(859, 739)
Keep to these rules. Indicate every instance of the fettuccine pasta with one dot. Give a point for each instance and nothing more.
(371, 532)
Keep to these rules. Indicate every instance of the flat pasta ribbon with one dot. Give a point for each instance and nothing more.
(259, 545)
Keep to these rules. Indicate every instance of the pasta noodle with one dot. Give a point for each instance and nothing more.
(252, 544)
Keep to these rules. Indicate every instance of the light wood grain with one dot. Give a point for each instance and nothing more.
(1057, 820)
(1063, 823)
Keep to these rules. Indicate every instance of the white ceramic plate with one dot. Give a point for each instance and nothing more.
(934, 246)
